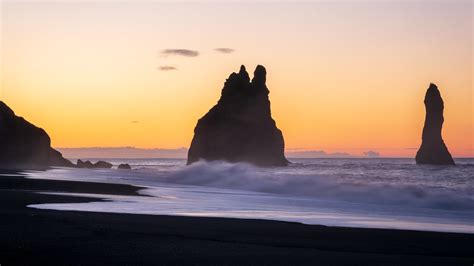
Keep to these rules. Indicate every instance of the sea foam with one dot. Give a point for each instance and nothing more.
(311, 184)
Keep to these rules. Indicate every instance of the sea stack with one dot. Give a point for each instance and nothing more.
(240, 128)
(433, 150)
(25, 146)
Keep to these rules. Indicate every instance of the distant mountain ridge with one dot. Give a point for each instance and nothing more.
(123, 152)
(180, 153)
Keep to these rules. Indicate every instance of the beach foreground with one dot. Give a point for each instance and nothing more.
(33, 236)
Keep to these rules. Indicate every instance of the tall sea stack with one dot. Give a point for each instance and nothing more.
(240, 128)
(433, 150)
(23, 145)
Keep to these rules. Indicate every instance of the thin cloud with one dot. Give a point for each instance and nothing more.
(135, 122)
(167, 68)
(180, 52)
(224, 50)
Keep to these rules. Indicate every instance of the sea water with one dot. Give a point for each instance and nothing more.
(371, 193)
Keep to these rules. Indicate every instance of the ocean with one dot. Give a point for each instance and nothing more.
(370, 193)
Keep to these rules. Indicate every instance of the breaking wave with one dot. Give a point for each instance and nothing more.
(295, 182)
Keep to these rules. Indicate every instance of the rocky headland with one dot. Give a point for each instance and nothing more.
(24, 145)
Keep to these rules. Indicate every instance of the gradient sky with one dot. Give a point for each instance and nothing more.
(343, 76)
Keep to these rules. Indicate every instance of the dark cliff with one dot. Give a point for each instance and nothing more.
(23, 145)
(433, 150)
(239, 128)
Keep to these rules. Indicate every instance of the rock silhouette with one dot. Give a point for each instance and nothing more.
(433, 150)
(84, 164)
(103, 164)
(124, 166)
(23, 145)
(97, 165)
(239, 128)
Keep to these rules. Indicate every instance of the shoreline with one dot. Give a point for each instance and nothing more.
(32, 236)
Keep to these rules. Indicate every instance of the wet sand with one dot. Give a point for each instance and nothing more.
(33, 237)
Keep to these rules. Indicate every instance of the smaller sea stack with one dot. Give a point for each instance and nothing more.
(433, 150)
(240, 128)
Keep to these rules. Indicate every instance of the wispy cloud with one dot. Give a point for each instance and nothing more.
(224, 50)
(135, 122)
(167, 68)
(180, 52)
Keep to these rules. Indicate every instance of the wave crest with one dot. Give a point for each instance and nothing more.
(243, 176)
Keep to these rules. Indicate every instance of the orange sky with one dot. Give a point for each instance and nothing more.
(343, 76)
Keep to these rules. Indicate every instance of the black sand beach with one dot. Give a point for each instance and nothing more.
(44, 237)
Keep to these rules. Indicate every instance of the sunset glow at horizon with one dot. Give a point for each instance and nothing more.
(343, 76)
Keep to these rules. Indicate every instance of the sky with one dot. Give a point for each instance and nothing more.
(344, 76)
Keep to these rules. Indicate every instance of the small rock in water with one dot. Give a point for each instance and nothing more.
(103, 164)
(89, 164)
(84, 164)
(124, 166)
